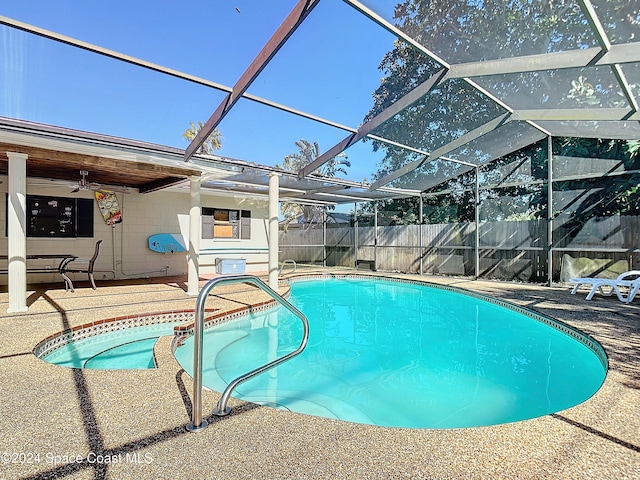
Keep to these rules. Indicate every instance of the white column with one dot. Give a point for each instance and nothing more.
(274, 198)
(193, 259)
(16, 227)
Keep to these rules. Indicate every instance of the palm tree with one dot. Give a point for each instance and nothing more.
(307, 153)
(211, 144)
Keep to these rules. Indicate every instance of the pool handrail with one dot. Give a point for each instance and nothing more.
(197, 422)
(284, 263)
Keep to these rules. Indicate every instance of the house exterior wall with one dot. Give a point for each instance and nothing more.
(124, 252)
(254, 250)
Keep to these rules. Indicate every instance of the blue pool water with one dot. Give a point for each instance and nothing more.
(401, 355)
(129, 348)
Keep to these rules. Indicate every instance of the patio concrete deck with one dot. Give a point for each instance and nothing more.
(92, 424)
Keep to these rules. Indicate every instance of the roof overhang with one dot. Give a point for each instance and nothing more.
(61, 153)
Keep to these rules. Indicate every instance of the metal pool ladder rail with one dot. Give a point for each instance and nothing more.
(284, 263)
(197, 422)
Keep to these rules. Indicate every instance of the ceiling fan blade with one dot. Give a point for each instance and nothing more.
(78, 185)
(50, 183)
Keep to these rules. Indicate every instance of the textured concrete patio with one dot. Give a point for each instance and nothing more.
(91, 424)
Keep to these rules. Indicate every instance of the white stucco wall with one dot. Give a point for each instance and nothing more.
(124, 251)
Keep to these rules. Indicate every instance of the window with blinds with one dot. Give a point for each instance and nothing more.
(223, 223)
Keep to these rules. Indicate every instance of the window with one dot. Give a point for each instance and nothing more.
(59, 217)
(226, 224)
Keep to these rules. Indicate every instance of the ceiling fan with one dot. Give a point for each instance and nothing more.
(81, 185)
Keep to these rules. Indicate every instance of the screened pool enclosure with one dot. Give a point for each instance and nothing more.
(497, 138)
(510, 236)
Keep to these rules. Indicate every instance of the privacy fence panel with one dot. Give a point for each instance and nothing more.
(303, 244)
(340, 246)
(399, 248)
(507, 250)
(514, 250)
(598, 246)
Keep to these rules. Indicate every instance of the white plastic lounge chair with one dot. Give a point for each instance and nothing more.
(633, 289)
(608, 286)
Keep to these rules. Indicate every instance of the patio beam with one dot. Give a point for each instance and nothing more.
(406, 101)
(160, 184)
(54, 156)
(279, 38)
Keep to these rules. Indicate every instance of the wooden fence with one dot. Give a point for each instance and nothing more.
(506, 250)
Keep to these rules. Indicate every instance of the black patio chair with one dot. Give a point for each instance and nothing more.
(72, 266)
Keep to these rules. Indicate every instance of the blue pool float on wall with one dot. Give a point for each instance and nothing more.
(167, 243)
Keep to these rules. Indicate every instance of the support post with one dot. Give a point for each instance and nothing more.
(549, 211)
(420, 239)
(477, 221)
(375, 236)
(274, 198)
(324, 238)
(16, 229)
(355, 235)
(193, 260)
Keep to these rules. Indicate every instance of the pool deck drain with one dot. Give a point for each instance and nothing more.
(67, 423)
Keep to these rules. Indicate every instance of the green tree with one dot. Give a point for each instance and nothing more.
(601, 196)
(467, 31)
(210, 145)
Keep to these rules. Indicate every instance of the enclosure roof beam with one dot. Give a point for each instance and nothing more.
(161, 69)
(596, 25)
(328, 189)
(388, 113)
(109, 53)
(366, 11)
(278, 39)
(574, 114)
(605, 43)
(527, 63)
(626, 89)
(443, 150)
(622, 53)
(579, 58)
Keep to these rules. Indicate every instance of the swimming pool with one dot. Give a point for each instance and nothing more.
(403, 354)
(125, 349)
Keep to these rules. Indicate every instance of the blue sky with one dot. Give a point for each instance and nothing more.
(329, 68)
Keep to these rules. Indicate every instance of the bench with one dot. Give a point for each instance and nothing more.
(68, 264)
